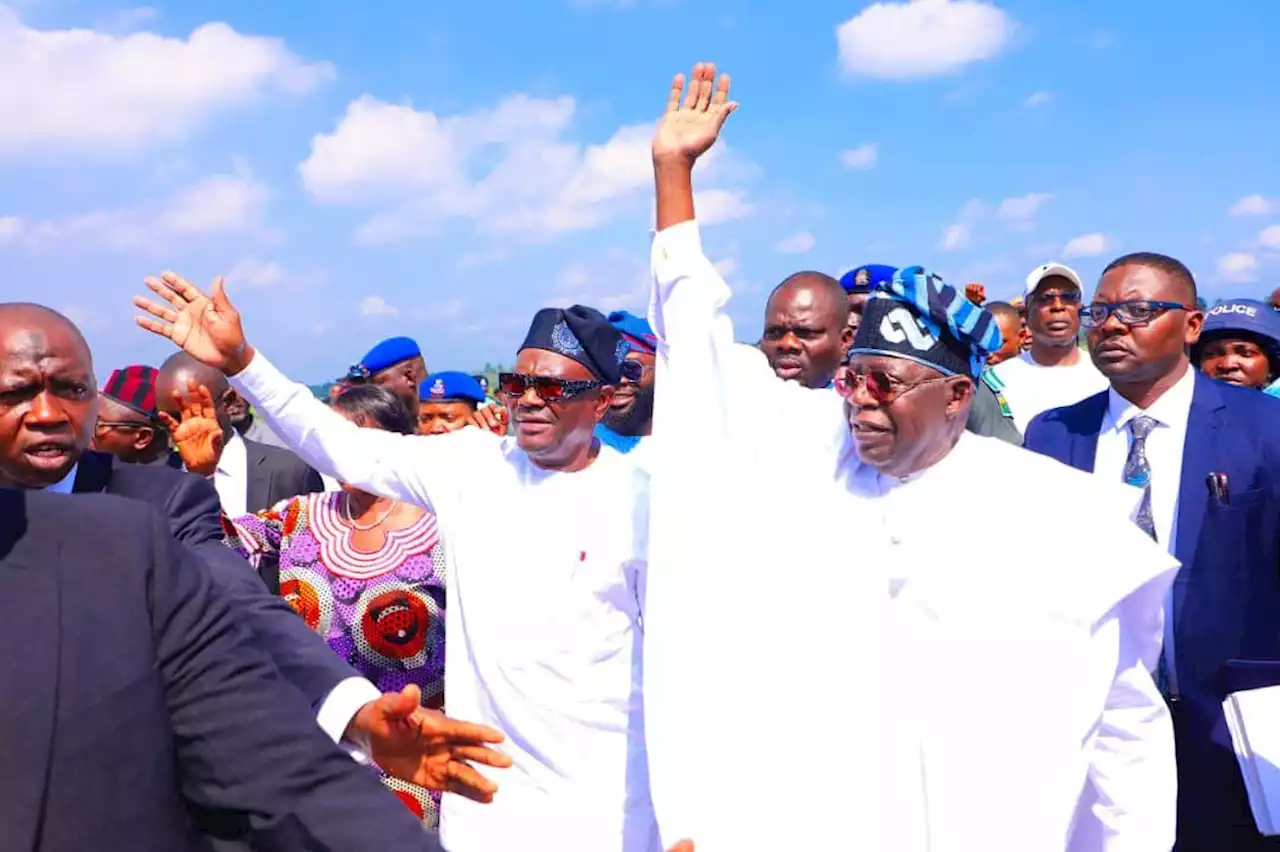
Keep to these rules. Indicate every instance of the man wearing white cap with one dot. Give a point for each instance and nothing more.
(1055, 371)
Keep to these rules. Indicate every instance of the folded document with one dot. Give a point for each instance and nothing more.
(1253, 717)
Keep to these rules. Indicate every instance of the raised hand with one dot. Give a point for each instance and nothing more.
(207, 327)
(426, 747)
(975, 293)
(198, 437)
(687, 130)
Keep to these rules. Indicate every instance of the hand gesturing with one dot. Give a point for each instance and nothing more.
(207, 327)
(687, 131)
(198, 437)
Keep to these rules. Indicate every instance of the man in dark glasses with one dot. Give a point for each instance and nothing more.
(1055, 371)
(848, 574)
(545, 538)
(629, 419)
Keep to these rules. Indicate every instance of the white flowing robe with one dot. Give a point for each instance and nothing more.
(839, 661)
(545, 587)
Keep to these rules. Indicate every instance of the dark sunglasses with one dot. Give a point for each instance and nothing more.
(880, 386)
(632, 371)
(548, 388)
(1136, 312)
(1067, 297)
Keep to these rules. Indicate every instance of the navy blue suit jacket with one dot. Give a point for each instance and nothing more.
(190, 505)
(131, 698)
(1226, 597)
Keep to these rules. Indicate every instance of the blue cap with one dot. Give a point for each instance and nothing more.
(1248, 317)
(581, 334)
(918, 316)
(450, 386)
(635, 331)
(388, 353)
(865, 279)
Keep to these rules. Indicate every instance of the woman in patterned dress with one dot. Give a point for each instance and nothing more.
(365, 573)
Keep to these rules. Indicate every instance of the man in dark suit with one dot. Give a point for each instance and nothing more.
(249, 477)
(1204, 458)
(48, 407)
(141, 703)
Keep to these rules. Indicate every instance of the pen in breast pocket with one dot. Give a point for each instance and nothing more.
(1218, 487)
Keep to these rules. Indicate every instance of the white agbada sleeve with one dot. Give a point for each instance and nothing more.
(754, 614)
(400, 467)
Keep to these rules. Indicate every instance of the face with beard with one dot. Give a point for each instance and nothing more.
(631, 411)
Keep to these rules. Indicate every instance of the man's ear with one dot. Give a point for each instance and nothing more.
(602, 404)
(960, 389)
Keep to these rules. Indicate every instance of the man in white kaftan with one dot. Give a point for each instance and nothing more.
(935, 697)
(545, 566)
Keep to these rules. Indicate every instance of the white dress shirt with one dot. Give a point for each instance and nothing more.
(1164, 457)
(1031, 388)
(546, 582)
(938, 677)
(231, 478)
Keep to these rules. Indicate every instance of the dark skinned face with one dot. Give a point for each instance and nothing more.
(556, 435)
(916, 428)
(133, 443)
(1052, 321)
(403, 380)
(631, 410)
(805, 334)
(1141, 354)
(1239, 361)
(222, 394)
(1011, 331)
(438, 418)
(238, 410)
(856, 302)
(48, 400)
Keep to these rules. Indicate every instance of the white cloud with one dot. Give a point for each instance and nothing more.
(921, 38)
(123, 21)
(86, 91)
(726, 267)
(11, 227)
(1237, 267)
(1086, 245)
(862, 157)
(1037, 99)
(1269, 238)
(511, 168)
(721, 205)
(1252, 205)
(232, 203)
(614, 281)
(796, 244)
(251, 272)
(1020, 213)
(954, 237)
(376, 306)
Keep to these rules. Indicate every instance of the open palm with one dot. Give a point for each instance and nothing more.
(687, 130)
(198, 436)
(206, 326)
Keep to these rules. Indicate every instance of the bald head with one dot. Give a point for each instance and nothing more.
(177, 372)
(805, 330)
(45, 321)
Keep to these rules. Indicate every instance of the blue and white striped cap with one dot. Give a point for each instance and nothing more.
(919, 316)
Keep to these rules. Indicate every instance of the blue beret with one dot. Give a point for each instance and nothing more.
(450, 386)
(867, 278)
(636, 331)
(917, 315)
(1249, 316)
(582, 334)
(388, 353)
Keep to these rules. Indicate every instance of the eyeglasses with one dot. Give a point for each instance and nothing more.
(123, 424)
(1137, 312)
(880, 386)
(548, 388)
(633, 371)
(1067, 297)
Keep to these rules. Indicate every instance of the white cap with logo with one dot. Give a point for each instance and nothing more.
(1050, 269)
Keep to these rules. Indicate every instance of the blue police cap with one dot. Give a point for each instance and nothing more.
(388, 353)
(635, 331)
(1245, 318)
(450, 386)
(865, 279)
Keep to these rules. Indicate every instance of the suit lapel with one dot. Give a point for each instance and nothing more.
(1198, 454)
(258, 475)
(30, 626)
(93, 473)
(1084, 440)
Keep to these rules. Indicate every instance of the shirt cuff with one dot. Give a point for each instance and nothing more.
(340, 707)
(257, 378)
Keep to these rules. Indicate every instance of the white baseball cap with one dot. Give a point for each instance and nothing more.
(1042, 272)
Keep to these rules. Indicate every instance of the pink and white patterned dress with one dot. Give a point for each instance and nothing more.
(382, 612)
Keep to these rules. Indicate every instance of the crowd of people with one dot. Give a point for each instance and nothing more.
(669, 588)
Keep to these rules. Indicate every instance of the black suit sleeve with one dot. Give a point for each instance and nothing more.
(312, 483)
(246, 745)
(303, 658)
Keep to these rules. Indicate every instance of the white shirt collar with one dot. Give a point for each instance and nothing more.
(1172, 408)
(67, 483)
(234, 458)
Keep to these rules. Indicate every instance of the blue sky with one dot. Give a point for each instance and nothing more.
(443, 170)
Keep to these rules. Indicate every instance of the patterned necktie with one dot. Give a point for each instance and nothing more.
(1137, 472)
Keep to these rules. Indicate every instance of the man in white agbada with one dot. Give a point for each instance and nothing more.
(827, 590)
(544, 535)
